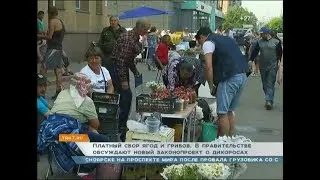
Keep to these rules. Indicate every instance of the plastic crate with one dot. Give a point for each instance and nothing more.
(166, 136)
(144, 103)
(106, 98)
(107, 105)
(108, 124)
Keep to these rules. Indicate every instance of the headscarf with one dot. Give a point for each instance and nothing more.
(79, 86)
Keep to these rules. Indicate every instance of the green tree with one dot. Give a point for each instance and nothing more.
(276, 24)
(238, 16)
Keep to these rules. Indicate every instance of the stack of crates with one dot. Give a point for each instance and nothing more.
(107, 106)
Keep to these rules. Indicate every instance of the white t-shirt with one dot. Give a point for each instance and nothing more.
(99, 85)
(208, 47)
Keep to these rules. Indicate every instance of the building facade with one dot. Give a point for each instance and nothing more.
(161, 22)
(195, 14)
(85, 19)
(224, 5)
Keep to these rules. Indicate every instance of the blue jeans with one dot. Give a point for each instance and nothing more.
(268, 78)
(229, 92)
(151, 60)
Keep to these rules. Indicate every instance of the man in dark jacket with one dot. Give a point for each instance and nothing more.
(270, 55)
(226, 72)
(108, 38)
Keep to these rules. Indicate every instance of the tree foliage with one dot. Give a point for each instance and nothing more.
(238, 16)
(275, 24)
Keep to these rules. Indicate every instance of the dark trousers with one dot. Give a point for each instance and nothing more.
(124, 104)
(108, 63)
(125, 107)
(268, 78)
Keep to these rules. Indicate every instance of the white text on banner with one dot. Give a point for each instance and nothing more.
(139, 149)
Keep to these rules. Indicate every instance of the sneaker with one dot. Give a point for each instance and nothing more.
(268, 106)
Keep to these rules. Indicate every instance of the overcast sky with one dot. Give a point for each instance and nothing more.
(264, 9)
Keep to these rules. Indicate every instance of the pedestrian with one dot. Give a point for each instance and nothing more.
(42, 104)
(280, 73)
(41, 44)
(162, 52)
(225, 72)
(41, 25)
(54, 53)
(99, 76)
(255, 63)
(152, 40)
(126, 49)
(270, 55)
(107, 40)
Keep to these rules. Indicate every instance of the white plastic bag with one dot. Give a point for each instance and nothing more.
(204, 91)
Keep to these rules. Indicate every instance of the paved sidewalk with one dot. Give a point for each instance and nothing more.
(74, 67)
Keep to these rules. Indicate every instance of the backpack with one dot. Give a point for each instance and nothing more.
(48, 139)
(207, 116)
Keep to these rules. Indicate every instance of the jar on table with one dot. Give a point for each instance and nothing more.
(179, 105)
(185, 104)
(153, 123)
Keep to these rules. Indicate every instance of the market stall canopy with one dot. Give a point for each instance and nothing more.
(143, 11)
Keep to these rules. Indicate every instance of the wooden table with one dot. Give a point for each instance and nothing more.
(187, 116)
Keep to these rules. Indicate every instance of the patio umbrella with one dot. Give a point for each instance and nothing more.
(143, 11)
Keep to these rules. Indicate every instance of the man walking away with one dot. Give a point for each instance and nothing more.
(255, 64)
(108, 38)
(270, 55)
(226, 67)
(126, 49)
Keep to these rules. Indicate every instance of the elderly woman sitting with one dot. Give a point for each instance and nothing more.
(99, 75)
(73, 111)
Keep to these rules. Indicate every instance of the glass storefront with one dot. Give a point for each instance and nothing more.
(200, 19)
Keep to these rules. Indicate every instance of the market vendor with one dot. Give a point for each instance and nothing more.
(181, 72)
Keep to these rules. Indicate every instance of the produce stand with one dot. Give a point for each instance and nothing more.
(187, 116)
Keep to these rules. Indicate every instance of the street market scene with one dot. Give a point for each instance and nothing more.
(158, 71)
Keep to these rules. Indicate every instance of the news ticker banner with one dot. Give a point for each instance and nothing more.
(186, 152)
(195, 152)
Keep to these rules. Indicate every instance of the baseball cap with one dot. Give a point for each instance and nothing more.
(264, 30)
(42, 80)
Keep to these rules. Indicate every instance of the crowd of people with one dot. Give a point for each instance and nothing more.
(207, 57)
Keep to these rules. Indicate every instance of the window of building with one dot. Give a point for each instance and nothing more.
(99, 7)
(58, 4)
(82, 5)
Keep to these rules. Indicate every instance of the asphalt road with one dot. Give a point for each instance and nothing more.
(253, 121)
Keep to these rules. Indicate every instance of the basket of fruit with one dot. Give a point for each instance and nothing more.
(159, 101)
